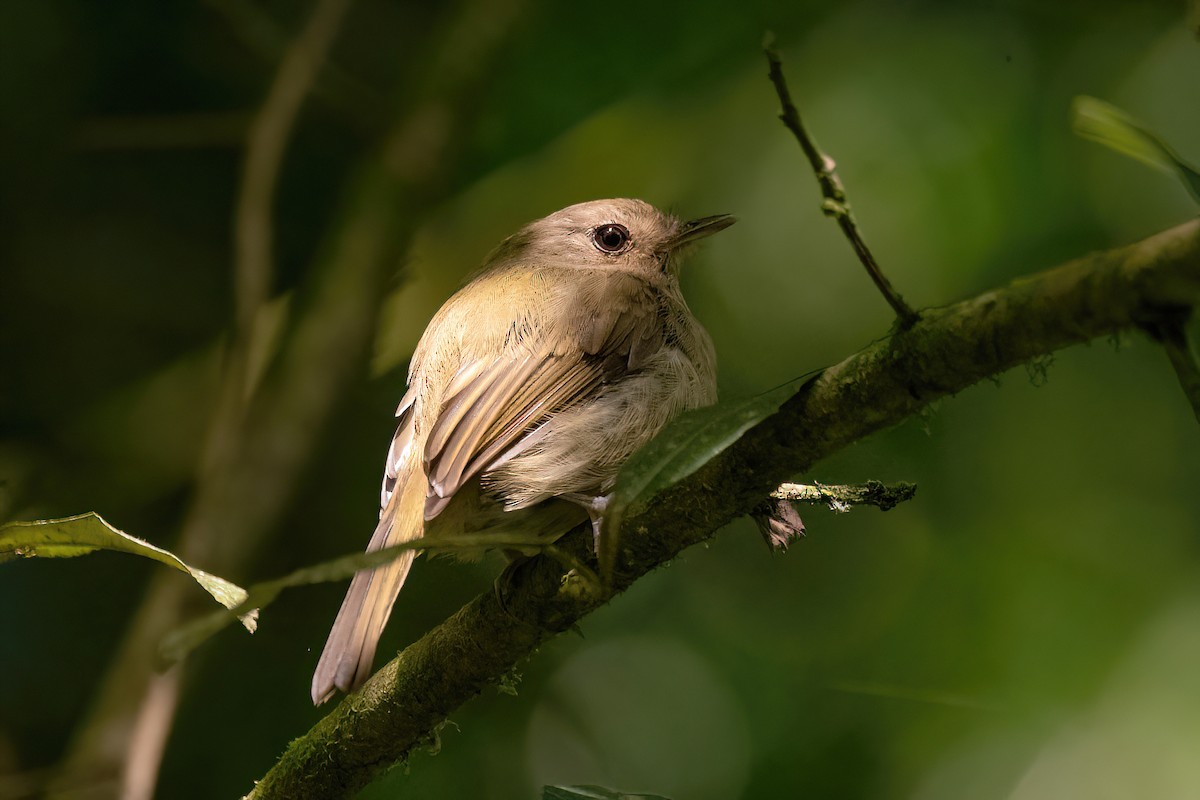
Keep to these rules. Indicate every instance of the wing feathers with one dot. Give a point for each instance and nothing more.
(497, 410)
(552, 391)
(463, 391)
(492, 404)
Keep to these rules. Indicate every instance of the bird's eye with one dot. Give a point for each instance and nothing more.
(611, 238)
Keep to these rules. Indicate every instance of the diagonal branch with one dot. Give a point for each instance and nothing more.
(946, 350)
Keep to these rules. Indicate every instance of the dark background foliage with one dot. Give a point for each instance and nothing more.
(1027, 627)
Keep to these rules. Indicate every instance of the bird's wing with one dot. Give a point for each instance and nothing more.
(494, 411)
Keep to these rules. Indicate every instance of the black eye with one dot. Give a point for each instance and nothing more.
(611, 238)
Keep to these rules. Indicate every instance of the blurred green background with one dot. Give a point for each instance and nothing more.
(1028, 627)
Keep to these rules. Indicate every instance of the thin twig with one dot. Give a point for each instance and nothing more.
(842, 497)
(836, 205)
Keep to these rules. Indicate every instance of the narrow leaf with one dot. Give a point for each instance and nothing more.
(684, 446)
(180, 642)
(86, 533)
(1110, 126)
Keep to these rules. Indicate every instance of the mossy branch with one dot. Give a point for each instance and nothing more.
(946, 350)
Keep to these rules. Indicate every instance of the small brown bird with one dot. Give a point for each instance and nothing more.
(568, 351)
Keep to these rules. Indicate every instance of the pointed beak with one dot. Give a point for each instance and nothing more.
(698, 229)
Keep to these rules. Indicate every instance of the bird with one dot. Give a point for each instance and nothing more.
(567, 351)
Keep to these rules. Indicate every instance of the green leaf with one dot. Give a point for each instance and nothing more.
(1110, 126)
(177, 644)
(592, 793)
(86, 533)
(684, 446)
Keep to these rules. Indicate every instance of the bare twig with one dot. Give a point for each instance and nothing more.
(836, 204)
(842, 497)
(945, 351)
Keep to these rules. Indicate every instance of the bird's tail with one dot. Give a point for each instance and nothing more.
(350, 650)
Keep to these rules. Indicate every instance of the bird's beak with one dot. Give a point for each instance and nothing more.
(698, 229)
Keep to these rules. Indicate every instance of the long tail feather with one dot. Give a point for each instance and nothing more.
(350, 650)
